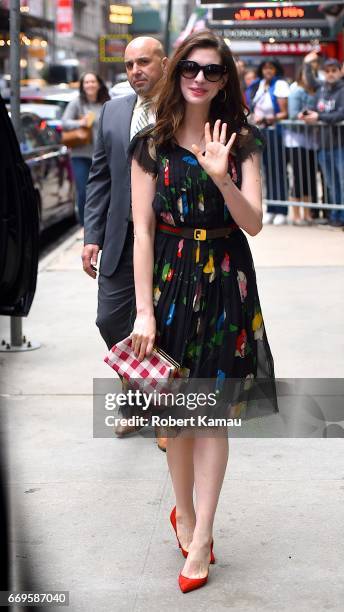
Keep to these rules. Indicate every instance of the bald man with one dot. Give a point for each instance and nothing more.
(108, 220)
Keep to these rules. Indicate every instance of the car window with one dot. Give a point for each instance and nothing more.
(46, 111)
(31, 137)
(36, 133)
(48, 134)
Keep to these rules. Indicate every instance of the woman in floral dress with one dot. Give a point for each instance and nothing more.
(196, 292)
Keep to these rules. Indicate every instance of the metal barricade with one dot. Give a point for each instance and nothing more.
(303, 165)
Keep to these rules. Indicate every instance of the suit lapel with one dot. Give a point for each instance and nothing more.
(130, 103)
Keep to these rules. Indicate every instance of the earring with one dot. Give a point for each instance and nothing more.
(225, 96)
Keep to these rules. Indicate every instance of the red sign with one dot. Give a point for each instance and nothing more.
(287, 48)
(299, 48)
(64, 17)
(272, 13)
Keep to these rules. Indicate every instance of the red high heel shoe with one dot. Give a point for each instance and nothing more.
(174, 525)
(186, 552)
(190, 584)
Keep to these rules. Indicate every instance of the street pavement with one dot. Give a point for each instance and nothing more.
(91, 516)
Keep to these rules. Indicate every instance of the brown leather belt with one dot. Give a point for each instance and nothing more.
(197, 233)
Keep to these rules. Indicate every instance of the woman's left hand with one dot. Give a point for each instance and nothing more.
(143, 335)
(215, 160)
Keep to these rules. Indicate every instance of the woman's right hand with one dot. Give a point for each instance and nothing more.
(143, 335)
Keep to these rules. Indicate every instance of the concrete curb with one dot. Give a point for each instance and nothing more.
(48, 259)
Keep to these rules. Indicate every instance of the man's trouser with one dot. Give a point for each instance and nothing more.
(275, 170)
(332, 165)
(116, 297)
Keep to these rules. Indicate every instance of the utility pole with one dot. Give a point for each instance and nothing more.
(167, 27)
(15, 64)
(18, 342)
(16, 322)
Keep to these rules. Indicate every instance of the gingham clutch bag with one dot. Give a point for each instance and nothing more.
(156, 367)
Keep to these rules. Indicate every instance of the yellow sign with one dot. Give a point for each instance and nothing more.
(121, 9)
(120, 13)
(112, 47)
(128, 19)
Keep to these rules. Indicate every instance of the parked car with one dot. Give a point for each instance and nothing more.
(5, 80)
(50, 113)
(55, 95)
(51, 170)
(18, 225)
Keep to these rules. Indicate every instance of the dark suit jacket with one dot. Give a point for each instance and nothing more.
(108, 190)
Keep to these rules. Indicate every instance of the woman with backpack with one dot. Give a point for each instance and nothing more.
(268, 102)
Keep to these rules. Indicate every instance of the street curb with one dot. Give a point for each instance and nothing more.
(48, 259)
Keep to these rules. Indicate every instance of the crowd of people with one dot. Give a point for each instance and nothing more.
(315, 160)
(314, 156)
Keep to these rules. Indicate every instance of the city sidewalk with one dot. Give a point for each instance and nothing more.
(91, 516)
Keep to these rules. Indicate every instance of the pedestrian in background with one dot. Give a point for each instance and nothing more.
(108, 218)
(84, 111)
(268, 102)
(313, 59)
(195, 186)
(250, 75)
(241, 68)
(329, 108)
(301, 153)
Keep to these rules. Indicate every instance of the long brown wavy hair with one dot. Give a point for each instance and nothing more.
(170, 106)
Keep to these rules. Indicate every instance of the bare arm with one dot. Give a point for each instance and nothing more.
(143, 187)
(310, 79)
(283, 114)
(245, 209)
(283, 104)
(71, 117)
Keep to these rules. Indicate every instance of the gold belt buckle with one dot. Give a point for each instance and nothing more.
(200, 234)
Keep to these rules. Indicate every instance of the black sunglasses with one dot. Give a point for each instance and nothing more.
(212, 72)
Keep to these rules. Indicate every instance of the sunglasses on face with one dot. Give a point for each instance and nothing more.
(211, 72)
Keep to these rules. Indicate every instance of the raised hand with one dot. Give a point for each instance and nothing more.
(311, 57)
(215, 160)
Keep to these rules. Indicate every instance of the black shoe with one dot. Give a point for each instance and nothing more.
(336, 223)
(126, 430)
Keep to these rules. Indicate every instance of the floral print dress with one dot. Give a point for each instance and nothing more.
(205, 295)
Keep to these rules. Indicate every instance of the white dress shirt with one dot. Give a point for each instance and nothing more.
(137, 109)
(136, 113)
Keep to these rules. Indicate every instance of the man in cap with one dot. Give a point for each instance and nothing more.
(329, 105)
